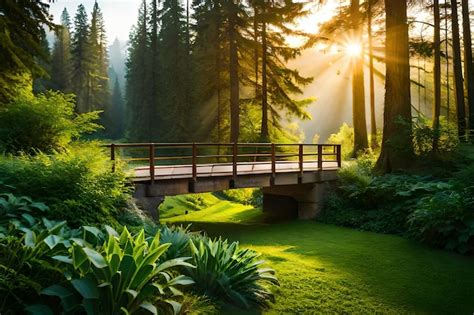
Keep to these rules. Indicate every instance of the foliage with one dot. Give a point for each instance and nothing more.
(229, 274)
(344, 137)
(179, 238)
(19, 211)
(245, 196)
(123, 275)
(25, 263)
(46, 122)
(424, 135)
(445, 220)
(78, 184)
(22, 25)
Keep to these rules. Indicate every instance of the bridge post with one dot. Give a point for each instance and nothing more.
(234, 161)
(301, 161)
(273, 158)
(152, 163)
(320, 157)
(112, 156)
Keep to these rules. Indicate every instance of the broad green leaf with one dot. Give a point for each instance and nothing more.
(38, 309)
(63, 259)
(149, 307)
(78, 256)
(96, 258)
(57, 290)
(86, 288)
(52, 241)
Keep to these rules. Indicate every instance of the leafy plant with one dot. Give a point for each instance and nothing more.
(19, 211)
(123, 275)
(179, 238)
(229, 274)
(77, 184)
(45, 122)
(445, 220)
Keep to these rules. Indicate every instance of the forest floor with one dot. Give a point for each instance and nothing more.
(329, 269)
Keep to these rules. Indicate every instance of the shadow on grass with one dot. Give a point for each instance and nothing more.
(397, 271)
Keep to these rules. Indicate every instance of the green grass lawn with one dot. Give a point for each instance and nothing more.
(328, 269)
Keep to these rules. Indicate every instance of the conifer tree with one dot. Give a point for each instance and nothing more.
(138, 109)
(82, 62)
(61, 56)
(173, 55)
(99, 96)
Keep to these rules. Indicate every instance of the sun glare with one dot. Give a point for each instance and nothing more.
(353, 49)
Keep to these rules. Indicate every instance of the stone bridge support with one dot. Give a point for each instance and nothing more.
(302, 201)
(147, 201)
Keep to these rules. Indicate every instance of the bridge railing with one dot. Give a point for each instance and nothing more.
(194, 155)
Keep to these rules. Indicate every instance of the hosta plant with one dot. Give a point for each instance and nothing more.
(229, 274)
(19, 211)
(123, 275)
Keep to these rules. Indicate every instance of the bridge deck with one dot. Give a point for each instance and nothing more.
(227, 169)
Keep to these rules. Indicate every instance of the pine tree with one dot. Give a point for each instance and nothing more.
(97, 41)
(21, 22)
(279, 84)
(397, 146)
(61, 56)
(114, 117)
(82, 62)
(173, 58)
(210, 80)
(137, 91)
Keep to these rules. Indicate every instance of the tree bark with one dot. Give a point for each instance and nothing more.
(437, 74)
(234, 77)
(458, 79)
(358, 89)
(264, 135)
(373, 120)
(397, 146)
(468, 65)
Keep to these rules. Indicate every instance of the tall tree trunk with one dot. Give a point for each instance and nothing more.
(234, 77)
(358, 90)
(458, 80)
(373, 120)
(153, 102)
(437, 74)
(264, 135)
(397, 146)
(255, 40)
(448, 86)
(468, 64)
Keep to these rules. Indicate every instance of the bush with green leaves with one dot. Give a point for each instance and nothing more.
(445, 220)
(26, 266)
(122, 275)
(19, 211)
(229, 274)
(245, 196)
(424, 135)
(46, 122)
(77, 184)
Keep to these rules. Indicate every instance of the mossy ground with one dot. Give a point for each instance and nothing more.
(328, 269)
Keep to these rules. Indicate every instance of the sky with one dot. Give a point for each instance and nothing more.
(119, 15)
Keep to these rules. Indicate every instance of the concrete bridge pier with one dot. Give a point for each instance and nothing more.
(302, 201)
(148, 201)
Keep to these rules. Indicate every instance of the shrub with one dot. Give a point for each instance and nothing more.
(25, 263)
(245, 196)
(226, 273)
(19, 211)
(424, 134)
(45, 123)
(77, 184)
(445, 220)
(123, 275)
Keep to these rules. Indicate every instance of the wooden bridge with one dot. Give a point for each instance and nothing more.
(164, 169)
